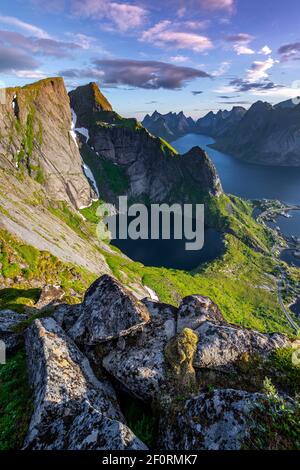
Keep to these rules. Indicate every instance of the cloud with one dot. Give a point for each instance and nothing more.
(179, 58)
(223, 68)
(32, 74)
(34, 45)
(163, 34)
(265, 50)
(241, 43)
(241, 37)
(234, 102)
(226, 97)
(217, 4)
(196, 92)
(123, 16)
(243, 50)
(242, 85)
(12, 60)
(288, 51)
(259, 69)
(138, 73)
(29, 28)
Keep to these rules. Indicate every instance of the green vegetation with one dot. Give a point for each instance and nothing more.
(38, 268)
(167, 148)
(274, 424)
(108, 177)
(141, 421)
(15, 402)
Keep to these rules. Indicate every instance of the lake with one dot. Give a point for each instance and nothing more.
(171, 253)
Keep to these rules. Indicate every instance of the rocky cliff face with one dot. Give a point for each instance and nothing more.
(35, 125)
(268, 135)
(114, 147)
(169, 126)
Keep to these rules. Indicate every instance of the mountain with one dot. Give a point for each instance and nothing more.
(169, 126)
(268, 135)
(216, 124)
(125, 158)
(35, 125)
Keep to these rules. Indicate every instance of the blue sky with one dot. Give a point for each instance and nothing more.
(191, 55)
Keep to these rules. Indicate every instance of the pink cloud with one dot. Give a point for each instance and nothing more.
(217, 4)
(124, 16)
(163, 35)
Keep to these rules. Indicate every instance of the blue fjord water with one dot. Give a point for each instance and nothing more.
(239, 178)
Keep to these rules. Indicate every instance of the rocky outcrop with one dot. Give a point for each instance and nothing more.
(148, 167)
(72, 409)
(169, 126)
(268, 135)
(87, 100)
(149, 351)
(35, 125)
(9, 320)
(109, 311)
(210, 421)
(220, 345)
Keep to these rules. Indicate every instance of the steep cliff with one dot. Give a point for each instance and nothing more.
(36, 139)
(126, 159)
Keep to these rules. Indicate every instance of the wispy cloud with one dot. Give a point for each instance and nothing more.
(29, 28)
(165, 34)
(13, 59)
(240, 49)
(123, 16)
(259, 69)
(217, 4)
(138, 73)
(197, 92)
(288, 51)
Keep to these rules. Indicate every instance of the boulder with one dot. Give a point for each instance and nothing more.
(194, 310)
(72, 409)
(210, 421)
(222, 344)
(109, 311)
(67, 315)
(8, 321)
(138, 361)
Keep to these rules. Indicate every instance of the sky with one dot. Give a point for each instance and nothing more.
(165, 55)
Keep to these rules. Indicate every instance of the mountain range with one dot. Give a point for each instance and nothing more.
(263, 134)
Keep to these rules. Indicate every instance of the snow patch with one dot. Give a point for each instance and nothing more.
(83, 131)
(152, 294)
(90, 177)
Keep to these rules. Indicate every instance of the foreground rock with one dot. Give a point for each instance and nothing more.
(109, 311)
(210, 421)
(222, 344)
(72, 409)
(9, 320)
(194, 310)
(138, 361)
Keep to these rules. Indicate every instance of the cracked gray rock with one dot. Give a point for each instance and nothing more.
(72, 409)
(109, 311)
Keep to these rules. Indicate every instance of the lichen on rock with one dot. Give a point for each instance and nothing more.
(179, 354)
